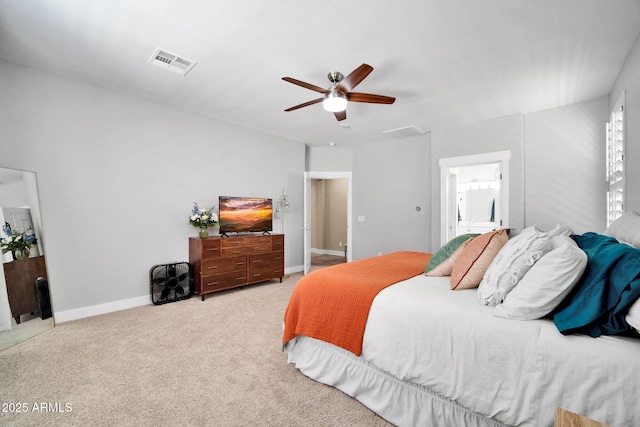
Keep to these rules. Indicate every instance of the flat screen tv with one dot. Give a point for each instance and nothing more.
(245, 214)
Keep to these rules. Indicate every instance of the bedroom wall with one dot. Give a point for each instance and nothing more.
(117, 177)
(556, 166)
(391, 179)
(328, 159)
(502, 133)
(13, 195)
(564, 167)
(628, 80)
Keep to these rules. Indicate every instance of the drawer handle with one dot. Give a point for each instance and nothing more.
(212, 249)
(212, 268)
(240, 278)
(257, 275)
(239, 263)
(257, 260)
(212, 283)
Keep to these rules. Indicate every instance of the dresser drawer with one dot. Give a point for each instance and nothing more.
(210, 248)
(277, 243)
(271, 264)
(233, 252)
(218, 282)
(223, 265)
(259, 249)
(233, 242)
(262, 275)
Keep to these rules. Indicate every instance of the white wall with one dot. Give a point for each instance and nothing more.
(628, 80)
(329, 159)
(565, 167)
(556, 166)
(117, 177)
(13, 195)
(391, 179)
(499, 134)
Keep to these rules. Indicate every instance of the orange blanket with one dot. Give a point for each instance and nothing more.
(333, 304)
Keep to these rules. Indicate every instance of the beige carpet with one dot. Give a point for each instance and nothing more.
(189, 363)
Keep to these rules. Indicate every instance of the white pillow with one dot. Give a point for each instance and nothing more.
(633, 316)
(560, 229)
(511, 264)
(547, 283)
(626, 229)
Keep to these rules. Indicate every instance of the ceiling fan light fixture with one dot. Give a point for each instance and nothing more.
(334, 101)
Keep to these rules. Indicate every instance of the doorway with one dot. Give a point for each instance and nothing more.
(328, 222)
(331, 181)
(474, 194)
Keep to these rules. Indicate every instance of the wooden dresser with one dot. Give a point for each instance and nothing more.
(221, 263)
(20, 276)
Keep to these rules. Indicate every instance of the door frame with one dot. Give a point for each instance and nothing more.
(446, 192)
(308, 176)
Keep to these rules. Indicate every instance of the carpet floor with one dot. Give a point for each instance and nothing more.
(217, 362)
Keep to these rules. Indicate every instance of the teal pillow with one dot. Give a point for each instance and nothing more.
(445, 252)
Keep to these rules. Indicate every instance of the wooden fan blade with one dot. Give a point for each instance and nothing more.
(305, 85)
(341, 115)
(352, 80)
(370, 98)
(306, 104)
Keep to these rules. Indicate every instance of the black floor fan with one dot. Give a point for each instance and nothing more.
(171, 282)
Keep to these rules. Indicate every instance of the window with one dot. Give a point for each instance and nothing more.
(615, 161)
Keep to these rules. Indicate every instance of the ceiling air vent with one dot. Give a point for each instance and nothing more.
(171, 61)
(404, 132)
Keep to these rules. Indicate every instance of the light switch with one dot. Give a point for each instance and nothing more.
(360, 218)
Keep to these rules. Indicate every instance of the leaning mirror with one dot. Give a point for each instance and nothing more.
(25, 306)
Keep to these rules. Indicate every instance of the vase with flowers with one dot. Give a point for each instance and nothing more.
(17, 242)
(203, 219)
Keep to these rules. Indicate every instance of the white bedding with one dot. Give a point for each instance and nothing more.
(514, 372)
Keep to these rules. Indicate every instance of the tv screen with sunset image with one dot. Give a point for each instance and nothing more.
(245, 214)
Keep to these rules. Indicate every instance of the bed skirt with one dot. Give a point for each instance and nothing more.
(399, 402)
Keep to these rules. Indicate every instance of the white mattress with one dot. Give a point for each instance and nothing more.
(514, 372)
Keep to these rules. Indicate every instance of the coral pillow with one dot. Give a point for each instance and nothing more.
(475, 258)
(446, 250)
(446, 267)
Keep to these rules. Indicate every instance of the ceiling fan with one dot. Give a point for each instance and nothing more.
(336, 97)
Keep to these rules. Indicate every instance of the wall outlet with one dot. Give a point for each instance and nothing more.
(379, 253)
(340, 244)
(360, 218)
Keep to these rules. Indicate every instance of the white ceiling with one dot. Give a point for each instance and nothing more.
(446, 61)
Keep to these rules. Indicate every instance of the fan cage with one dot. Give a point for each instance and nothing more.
(171, 282)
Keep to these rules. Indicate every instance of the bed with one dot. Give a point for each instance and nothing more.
(476, 356)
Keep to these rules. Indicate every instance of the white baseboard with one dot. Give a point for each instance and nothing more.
(95, 310)
(327, 252)
(296, 269)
